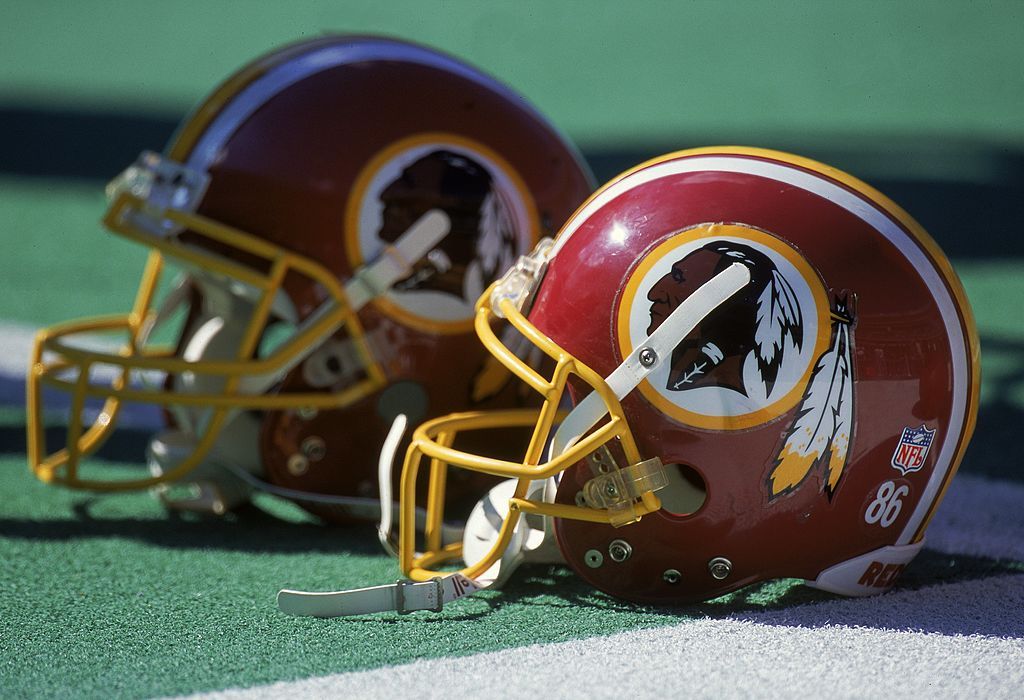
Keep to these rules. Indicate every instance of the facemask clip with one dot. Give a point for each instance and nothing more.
(617, 490)
(163, 185)
(521, 281)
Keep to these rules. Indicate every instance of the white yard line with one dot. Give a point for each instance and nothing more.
(16, 341)
(15, 345)
(721, 659)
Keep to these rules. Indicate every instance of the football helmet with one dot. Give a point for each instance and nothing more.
(336, 207)
(774, 372)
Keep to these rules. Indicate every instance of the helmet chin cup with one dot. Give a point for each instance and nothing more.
(209, 488)
(532, 541)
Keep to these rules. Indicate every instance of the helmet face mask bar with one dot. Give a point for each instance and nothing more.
(615, 496)
(244, 379)
(332, 236)
(775, 374)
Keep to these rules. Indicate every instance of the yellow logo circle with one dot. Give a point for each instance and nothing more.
(749, 360)
(493, 222)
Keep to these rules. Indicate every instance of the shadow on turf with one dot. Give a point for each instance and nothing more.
(963, 190)
(803, 606)
(786, 602)
(928, 569)
(247, 529)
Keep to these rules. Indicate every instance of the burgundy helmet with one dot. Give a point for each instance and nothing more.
(336, 206)
(773, 372)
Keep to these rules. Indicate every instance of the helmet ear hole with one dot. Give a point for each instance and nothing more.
(686, 490)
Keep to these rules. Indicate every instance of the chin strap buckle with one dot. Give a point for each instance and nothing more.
(400, 599)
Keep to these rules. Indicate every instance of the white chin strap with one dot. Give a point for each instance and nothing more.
(386, 505)
(527, 543)
(402, 597)
(384, 466)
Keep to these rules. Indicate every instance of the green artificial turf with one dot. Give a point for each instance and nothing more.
(110, 596)
(62, 263)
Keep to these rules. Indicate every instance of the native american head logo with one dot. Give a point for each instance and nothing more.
(778, 344)
(492, 222)
(756, 323)
(482, 242)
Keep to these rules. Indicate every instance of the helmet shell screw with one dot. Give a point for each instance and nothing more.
(314, 448)
(719, 568)
(620, 550)
(298, 464)
(647, 357)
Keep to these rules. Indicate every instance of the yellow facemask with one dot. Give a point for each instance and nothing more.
(152, 202)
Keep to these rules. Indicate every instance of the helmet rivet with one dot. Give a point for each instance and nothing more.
(298, 465)
(597, 459)
(671, 576)
(719, 568)
(593, 558)
(610, 490)
(620, 550)
(647, 357)
(314, 448)
(307, 413)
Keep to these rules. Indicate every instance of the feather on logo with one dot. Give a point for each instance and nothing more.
(819, 437)
(778, 317)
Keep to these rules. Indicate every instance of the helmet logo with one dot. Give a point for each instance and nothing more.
(775, 345)
(912, 449)
(765, 330)
(747, 362)
(492, 223)
(821, 432)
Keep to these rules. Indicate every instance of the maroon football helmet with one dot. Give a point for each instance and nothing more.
(774, 372)
(337, 206)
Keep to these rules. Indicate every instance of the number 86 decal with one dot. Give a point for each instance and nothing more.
(887, 504)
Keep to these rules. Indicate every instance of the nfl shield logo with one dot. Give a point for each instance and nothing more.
(912, 449)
